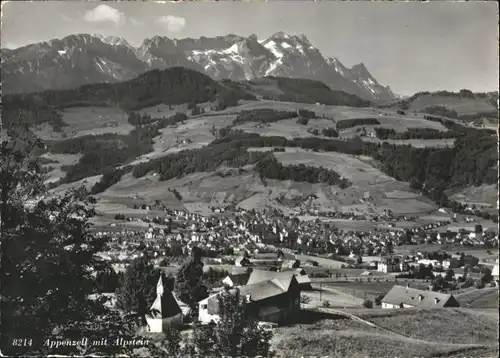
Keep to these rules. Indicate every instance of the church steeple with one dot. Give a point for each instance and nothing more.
(159, 286)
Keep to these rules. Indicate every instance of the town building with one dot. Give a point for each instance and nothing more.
(272, 297)
(405, 297)
(392, 264)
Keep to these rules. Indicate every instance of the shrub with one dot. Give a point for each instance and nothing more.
(303, 121)
(326, 304)
(367, 304)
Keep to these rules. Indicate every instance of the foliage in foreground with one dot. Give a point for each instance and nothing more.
(236, 334)
(48, 260)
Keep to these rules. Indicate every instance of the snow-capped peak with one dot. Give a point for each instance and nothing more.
(230, 56)
(280, 35)
(232, 49)
(115, 41)
(274, 48)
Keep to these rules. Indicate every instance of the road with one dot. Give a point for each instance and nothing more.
(336, 298)
(320, 260)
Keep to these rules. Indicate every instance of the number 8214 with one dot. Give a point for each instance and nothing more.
(22, 342)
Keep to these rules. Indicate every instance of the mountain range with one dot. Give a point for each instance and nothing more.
(82, 59)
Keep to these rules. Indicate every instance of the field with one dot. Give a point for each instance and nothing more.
(399, 123)
(384, 192)
(481, 298)
(480, 253)
(288, 128)
(363, 290)
(461, 327)
(87, 120)
(371, 191)
(411, 334)
(199, 190)
(484, 195)
(462, 106)
(195, 133)
(87, 183)
(60, 160)
(417, 143)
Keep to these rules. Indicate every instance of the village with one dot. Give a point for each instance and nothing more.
(282, 264)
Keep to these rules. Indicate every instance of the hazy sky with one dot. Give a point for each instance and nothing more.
(409, 46)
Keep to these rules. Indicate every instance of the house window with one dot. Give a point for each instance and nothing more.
(204, 307)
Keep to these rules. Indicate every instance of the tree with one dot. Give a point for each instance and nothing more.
(138, 289)
(367, 304)
(107, 280)
(172, 342)
(236, 334)
(188, 282)
(487, 277)
(378, 300)
(478, 229)
(439, 283)
(48, 260)
(450, 274)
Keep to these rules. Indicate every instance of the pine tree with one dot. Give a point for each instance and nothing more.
(188, 282)
(137, 290)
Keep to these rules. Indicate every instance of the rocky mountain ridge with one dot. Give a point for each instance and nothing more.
(83, 59)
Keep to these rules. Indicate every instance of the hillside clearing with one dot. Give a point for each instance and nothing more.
(481, 298)
(60, 160)
(461, 327)
(87, 183)
(461, 105)
(95, 120)
(245, 189)
(347, 338)
(484, 195)
(194, 133)
(417, 143)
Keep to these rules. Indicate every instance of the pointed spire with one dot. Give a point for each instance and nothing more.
(159, 286)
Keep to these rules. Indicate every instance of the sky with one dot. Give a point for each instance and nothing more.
(409, 46)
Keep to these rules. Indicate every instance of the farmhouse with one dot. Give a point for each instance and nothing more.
(272, 297)
(165, 310)
(404, 297)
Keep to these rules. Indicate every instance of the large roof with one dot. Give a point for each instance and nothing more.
(261, 290)
(283, 278)
(165, 306)
(418, 298)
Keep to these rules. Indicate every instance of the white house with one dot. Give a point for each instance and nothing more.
(203, 316)
(406, 297)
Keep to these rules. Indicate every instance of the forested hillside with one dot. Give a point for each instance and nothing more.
(173, 86)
